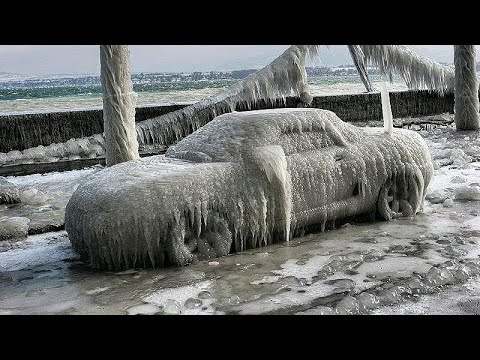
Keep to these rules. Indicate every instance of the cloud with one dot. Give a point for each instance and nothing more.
(69, 59)
(49, 59)
(202, 57)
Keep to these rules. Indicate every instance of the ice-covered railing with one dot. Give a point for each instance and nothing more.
(418, 71)
(73, 149)
(285, 76)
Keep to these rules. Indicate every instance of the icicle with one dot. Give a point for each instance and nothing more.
(386, 110)
(284, 76)
(359, 61)
(90, 147)
(417, 71)
(272, 161)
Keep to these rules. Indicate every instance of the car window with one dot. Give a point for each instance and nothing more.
(229, 136)
(314, 136)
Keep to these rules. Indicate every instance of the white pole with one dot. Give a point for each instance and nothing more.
(118, 104)
(386, 109)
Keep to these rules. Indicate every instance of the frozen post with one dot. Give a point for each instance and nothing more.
(118, 104)
(386, 109)
(466, 88)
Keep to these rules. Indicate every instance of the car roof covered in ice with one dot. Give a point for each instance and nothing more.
(229, 136)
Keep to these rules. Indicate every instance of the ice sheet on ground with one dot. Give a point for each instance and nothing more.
(384, 267)
(43, 198)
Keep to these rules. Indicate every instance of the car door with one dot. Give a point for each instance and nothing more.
(324, 175)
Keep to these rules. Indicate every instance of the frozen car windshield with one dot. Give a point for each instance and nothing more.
(228, 136)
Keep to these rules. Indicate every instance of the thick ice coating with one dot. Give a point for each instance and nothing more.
(418, 71)
(244, 180)
(284, 76)
(9, 193)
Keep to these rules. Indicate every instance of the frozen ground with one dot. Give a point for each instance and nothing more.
(43, 198)
(428, 264)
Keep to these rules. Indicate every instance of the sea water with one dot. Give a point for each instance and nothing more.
(47, 94)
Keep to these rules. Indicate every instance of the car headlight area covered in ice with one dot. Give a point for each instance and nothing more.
(244, 180)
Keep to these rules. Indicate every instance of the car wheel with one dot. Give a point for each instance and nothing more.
(215, 240)
(400, 195)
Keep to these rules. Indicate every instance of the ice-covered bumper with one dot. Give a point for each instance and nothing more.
(123, 216)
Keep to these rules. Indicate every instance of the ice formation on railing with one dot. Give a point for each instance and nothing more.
(9, 193)
(284, 76)
(359, 60)
(88, 147)
(245, 180)
(418, 71)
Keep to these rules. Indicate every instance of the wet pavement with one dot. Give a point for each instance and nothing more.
(354, 269)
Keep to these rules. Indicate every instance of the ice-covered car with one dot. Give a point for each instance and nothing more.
(244, 180)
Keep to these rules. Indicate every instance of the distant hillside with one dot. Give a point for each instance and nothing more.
(12, 80)
(5, 76)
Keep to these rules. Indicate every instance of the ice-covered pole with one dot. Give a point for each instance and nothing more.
(466, 88)
(359, 60)
(118, 104)
(386, 109)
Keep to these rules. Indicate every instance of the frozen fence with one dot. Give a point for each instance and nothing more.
(22, 131)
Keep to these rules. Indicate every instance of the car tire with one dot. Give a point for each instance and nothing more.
(400, 196)
(215, 240)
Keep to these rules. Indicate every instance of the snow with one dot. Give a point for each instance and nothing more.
(144, 309)
(185, 300)
(467, 193)
(448, 203)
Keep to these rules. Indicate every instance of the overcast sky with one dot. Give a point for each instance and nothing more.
(84, 59)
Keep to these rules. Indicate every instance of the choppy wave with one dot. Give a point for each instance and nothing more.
(54, 95)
